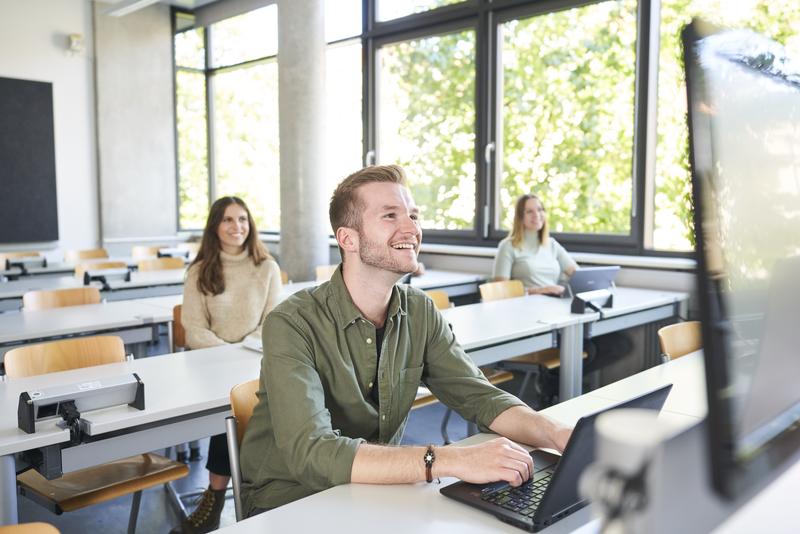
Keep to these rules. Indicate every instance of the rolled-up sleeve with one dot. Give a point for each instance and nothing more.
(314, 453)
(455, 380)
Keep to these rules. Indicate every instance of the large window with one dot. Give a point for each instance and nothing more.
(426, 123)
(567, 116)
(227, 111)
(581, 102)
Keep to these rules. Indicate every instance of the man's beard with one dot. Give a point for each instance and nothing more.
(376, 255)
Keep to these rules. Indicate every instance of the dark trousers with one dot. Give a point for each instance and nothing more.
(218, 462)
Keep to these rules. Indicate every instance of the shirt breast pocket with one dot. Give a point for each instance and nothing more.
(407, 389)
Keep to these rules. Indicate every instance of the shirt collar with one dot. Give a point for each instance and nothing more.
(346, 312)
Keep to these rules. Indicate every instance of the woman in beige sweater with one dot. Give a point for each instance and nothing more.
(230, 288)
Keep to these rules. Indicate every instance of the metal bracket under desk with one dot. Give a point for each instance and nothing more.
(509, 349)
(630, 320)
(139, 440)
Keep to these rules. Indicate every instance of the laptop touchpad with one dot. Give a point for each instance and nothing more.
(543, 460)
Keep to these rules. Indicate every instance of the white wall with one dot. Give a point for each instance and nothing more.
(33, 46)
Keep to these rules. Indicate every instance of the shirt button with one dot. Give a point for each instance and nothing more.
(369, 341)
(370, 385)
(383, 417)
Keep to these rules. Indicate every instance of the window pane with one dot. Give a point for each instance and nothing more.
(567, 116)
(190, 114)
(393, 9)
(779, 19)
(426, 121)
(190, 50)
(343, 121)
(246, 139)
(250, 36)
(342, 19)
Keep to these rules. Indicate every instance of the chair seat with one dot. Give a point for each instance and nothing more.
(102, 483)
(547, 358)
(426, 398)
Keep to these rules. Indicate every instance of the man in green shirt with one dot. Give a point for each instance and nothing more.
(342, 363)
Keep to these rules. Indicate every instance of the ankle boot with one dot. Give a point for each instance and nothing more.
(205, 517)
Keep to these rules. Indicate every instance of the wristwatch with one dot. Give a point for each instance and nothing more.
(428, 459)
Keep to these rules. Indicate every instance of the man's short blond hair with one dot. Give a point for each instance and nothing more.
(346, 206)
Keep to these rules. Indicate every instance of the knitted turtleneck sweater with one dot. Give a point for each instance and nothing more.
(251, 291)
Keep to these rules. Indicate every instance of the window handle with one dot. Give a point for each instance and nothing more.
(369, 158)
(488, 151)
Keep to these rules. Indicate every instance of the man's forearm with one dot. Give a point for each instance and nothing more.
(523, 425)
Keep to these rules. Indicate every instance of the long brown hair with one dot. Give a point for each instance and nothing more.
(518, 231)
(210, 280)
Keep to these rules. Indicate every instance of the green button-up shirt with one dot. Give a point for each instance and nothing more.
(314, 406)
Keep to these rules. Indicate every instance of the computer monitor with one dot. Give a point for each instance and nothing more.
(744, 136)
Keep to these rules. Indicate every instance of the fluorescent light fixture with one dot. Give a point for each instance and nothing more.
(124, 8)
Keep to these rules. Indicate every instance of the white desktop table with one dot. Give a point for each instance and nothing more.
(59, 268)
(497, 330)
(419, 508)
(186, 398)
(144, 284)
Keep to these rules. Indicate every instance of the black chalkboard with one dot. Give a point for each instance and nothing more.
(28, 204)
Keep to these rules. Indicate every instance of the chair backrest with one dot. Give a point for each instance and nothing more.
(145, 251)
(243, 401)
(74, 256)
(16, 255)
(160, 264)
(98, 266)
(178, 332)
(30, 528)
(440, 298)
(680, 339)
(62, 355)
(59, 298)
(505, 289)
(324, 272)
(284, 277)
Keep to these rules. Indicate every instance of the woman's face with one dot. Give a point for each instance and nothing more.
(533, 215)
(234, 229)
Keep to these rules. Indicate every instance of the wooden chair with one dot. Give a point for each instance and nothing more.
(243, 402)
(425, 398)
(80, 269)
(75, 256)
(160, 264)
(440, 299)
(59, 298)
(505, 289)
(178, 332)
(4, 256)
(145, 251)
(29, 528)
(284, 277)
(535, 362)
(94, 484)
(324, 272)
(680, 339)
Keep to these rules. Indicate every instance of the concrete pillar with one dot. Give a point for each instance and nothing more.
(301, 100)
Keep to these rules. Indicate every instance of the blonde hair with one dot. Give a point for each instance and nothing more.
(518, 230)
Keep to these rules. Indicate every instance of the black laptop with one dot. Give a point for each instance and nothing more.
(592, 278)
(552, 492)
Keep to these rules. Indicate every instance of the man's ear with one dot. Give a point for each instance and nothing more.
(347, 238)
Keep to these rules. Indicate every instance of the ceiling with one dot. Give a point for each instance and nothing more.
(120, 8)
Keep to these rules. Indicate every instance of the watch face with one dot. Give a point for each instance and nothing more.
(428, 457)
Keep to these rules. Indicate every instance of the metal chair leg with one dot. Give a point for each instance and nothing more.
(137, 499)
(445, 420)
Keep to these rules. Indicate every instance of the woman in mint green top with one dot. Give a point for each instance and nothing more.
(530, 255)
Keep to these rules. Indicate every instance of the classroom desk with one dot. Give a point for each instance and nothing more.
(133, 321)
(453, 283)
(61, 268)
(501, 329)
(419, 508)
(145, 284)
(176, 411)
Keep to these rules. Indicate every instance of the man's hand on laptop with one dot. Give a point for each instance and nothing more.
(491, 461)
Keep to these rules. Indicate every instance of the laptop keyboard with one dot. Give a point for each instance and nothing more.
(523, 499)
